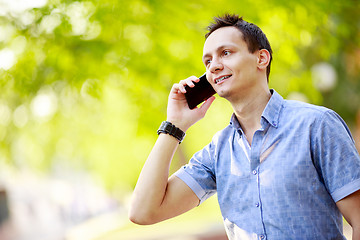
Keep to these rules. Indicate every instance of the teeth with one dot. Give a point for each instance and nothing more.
(220, 79)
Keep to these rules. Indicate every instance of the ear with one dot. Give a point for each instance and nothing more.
(263, 58)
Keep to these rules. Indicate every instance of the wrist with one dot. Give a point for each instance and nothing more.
(179, 124)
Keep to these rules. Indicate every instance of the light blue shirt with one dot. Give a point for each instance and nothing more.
(301, 161)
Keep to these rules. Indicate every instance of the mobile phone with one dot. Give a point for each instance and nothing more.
(199, 93)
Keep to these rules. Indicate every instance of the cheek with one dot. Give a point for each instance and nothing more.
(249, 65)
(247, 61)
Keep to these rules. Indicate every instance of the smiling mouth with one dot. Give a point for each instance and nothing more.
(218, 80)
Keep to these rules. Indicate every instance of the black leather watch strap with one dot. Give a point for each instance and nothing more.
(169, 128)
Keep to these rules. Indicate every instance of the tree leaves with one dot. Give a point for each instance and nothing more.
(100, 72)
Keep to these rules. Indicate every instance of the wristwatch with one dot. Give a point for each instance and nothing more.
(169, 128)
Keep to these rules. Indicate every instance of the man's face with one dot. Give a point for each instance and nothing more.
(230, 68)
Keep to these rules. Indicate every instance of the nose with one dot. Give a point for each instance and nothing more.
(215, 65)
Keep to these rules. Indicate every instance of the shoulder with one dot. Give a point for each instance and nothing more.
(317, 118)
(219, 140)
(309, 114)
(291, 112)
(305, 109)
(323, 122)
(223, 134)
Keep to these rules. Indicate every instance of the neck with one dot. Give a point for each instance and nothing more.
(248, 110)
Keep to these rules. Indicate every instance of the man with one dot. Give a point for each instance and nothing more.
(281, 169)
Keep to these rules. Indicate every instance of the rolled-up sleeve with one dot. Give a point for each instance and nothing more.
(336, 156)
(199, 175)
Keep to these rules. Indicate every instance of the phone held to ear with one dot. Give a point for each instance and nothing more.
(199, 93)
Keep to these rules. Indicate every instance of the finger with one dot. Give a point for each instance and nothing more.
(189, 81)
(186, 82)
(178, 88)
(196, 80)
(182, 88)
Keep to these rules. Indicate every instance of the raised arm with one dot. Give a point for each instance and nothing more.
(156, 196)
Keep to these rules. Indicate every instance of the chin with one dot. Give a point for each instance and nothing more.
(224, 94)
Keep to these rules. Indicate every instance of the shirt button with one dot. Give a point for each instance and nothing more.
(262, 236)
(254, 172)
(257, 204)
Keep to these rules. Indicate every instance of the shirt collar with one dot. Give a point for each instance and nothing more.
(271, 112)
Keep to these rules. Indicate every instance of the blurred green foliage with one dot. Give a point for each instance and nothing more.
(84, 84)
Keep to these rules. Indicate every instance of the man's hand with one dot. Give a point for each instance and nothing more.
(178, 111)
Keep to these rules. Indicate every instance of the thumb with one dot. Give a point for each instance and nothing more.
(206, 105)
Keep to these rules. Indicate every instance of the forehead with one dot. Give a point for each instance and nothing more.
(222, 37)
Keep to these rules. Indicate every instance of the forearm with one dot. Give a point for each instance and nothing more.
(152, 183)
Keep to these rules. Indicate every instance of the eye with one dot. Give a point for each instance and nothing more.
(226, 53)
(207, 62)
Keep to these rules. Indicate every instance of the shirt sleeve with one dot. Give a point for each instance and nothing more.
(335, 156)
(199, 175)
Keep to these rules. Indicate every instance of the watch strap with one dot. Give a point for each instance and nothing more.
(169, 128)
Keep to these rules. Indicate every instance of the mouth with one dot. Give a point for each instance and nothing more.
(221, 79)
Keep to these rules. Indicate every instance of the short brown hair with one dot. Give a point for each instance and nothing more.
(252, 34)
